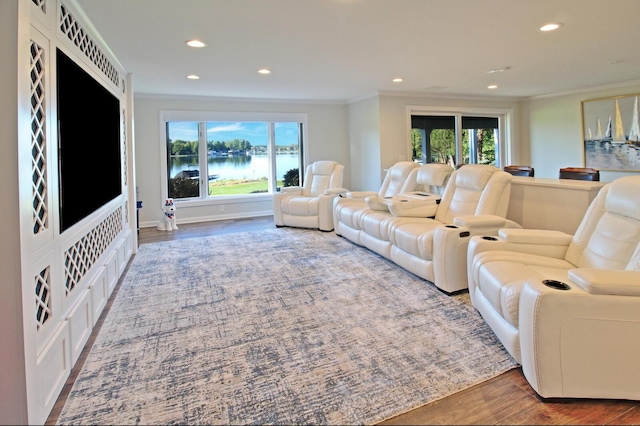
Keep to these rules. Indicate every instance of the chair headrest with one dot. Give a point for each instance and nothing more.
(323, 167)
(624, 197)
(401, 170)
(475, 176)
(434, 174)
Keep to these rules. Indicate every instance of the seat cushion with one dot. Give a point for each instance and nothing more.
(501, 275)
(347, 213)
(300, 206)
(413, 235)
(373, 223)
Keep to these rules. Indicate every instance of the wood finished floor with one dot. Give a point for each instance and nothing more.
(506, 399)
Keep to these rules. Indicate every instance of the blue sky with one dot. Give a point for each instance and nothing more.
(256, 133)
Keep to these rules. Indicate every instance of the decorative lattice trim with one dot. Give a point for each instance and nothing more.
(81, 256)
(42, 4)
(38, 140)
(79, 36)
(43, 297)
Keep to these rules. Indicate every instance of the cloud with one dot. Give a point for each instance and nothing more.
(226, 127)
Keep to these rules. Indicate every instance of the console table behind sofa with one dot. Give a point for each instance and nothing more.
(556, 204)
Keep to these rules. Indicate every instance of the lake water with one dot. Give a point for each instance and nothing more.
(608, 156)
(237, 167)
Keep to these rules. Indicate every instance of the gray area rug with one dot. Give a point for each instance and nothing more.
(285, 326)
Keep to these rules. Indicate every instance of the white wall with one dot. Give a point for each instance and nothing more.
(13, 386)
(327, 134)
(364, 145)
(394, 132)
(379, 133)
(555, 131)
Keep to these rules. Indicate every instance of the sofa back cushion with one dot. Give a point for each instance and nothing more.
(475, 189)
(609, 235)
(399, 178)
(433, 177)
(320, 176)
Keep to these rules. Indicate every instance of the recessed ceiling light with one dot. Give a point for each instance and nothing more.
(196, 43)
(398, 80)
(193, 77)
(550, 27)
(492, 86)
(264, 71)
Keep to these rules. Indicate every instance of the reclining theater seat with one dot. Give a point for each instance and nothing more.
(400, 177)
(431, 180)
(310, 206)
(568, 307)
(475, 201)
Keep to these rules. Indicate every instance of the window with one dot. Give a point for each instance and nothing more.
(459, 138)
(213, 156)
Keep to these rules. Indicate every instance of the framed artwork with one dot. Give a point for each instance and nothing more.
(611, 133)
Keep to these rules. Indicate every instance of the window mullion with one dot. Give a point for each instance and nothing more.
(204, 167)
(473, 146)
(458, 139)
(271, 151)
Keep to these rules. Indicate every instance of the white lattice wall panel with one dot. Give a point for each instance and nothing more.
(70, 26)
(38, 140)
(79, 258)
(43, 296)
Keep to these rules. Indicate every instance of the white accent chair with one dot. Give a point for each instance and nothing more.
(310, 206)
(400, 177)
(567, 307)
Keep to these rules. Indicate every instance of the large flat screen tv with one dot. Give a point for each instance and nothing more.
(88, 143)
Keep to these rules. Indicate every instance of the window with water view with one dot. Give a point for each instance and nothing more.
(218, 158)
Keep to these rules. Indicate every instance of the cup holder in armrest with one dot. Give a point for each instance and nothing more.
(558, 285)
(489, 238)
(451, 226)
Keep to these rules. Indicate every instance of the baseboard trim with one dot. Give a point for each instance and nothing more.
(215, 218)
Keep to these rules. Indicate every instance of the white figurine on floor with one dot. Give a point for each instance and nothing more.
(168, 220)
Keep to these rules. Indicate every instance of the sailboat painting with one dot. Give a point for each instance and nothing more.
(616, 147)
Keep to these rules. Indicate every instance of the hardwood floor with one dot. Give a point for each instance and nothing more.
(506, 399)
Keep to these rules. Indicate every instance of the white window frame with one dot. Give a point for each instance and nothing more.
(207, 116)
(504, 150)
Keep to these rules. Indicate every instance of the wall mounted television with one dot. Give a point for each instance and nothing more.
(89, 164)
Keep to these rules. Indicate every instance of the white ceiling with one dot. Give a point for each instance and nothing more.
(342, 50)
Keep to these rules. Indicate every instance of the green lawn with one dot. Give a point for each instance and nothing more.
(238, 187)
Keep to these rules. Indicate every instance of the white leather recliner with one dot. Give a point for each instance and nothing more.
(310, 206)
(567, 307)
(431, 180)
(399, 178)
(474, 202)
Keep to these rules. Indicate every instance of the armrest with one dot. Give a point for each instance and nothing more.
(607, 281)
(413, 208)
(418, 195)
(535, 236)
(360, 194)
(292, 190)
(480, 221)
(376, 203)
(336, 191)
(565, 334)
(529, 241)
